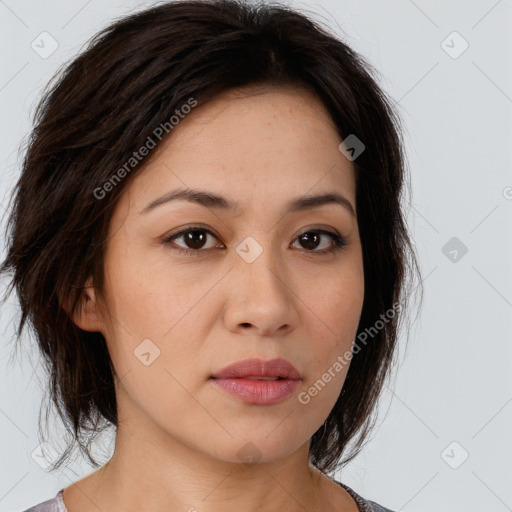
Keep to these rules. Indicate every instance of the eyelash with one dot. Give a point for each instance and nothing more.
(338, 241)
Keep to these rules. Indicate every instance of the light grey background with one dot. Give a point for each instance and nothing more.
(455, 381)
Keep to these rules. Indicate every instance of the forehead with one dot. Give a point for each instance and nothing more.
(257, 144)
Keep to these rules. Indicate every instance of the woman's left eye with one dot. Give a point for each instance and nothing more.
(195, 239)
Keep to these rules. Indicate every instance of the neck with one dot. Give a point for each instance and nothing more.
(158, 477)
(154, 470)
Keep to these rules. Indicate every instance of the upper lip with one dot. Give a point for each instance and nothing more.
(258, 368)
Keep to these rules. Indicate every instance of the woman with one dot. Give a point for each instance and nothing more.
(208, 241)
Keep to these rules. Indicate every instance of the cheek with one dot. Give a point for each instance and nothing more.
(158, 317)
(148, 296)
(336, 299)
(335, 309)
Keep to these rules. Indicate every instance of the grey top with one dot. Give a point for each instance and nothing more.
(56, 504)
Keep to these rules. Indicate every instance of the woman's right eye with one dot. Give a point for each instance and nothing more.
(195, 237)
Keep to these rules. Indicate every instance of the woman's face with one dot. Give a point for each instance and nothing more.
(255, 287)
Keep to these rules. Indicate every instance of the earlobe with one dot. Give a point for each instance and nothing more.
(86, 316)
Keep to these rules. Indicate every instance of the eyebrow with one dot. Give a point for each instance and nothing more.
(211, 200)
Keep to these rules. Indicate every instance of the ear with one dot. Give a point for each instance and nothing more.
(87, 315)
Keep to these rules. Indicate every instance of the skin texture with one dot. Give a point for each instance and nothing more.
(179, 435)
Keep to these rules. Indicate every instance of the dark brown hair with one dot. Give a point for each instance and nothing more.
(132, 78)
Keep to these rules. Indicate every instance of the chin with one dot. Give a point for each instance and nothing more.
(254, 449)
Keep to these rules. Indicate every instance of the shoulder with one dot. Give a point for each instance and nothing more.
(55, 504)
(363, 504)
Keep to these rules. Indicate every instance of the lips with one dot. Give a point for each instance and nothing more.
(257, 369)
(258, 382)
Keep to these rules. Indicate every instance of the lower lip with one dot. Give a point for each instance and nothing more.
(259, 392)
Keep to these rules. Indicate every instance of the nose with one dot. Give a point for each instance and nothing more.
(260, 296)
